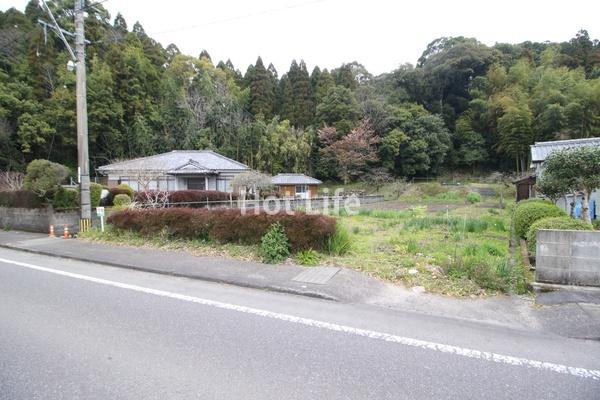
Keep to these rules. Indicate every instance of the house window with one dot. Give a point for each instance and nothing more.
(224, 184)
(196, 183)
(302, 189)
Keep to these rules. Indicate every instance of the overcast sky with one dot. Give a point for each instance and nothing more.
(377, 33)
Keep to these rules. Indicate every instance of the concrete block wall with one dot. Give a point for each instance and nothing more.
(40, 219)
(568, 257)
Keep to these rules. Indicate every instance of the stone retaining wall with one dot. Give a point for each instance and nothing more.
(568, 257)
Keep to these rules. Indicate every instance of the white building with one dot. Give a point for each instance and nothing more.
(541, 150)
(175, 170)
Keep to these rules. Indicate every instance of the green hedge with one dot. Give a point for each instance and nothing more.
(527, 213)
(304, 231)
(566, 223)
(95, 193)
(65, 198)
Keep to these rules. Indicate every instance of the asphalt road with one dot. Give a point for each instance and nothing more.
(74, 330)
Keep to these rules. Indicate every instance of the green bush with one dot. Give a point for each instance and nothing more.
(121, 200)
(339, 243)
(473, 197)
(43, 177)
(274, 245)
(65, 198)
(20, 199)
(95, 193)
(114, 191)
(527, 213)
(308, 257)
(564, 222)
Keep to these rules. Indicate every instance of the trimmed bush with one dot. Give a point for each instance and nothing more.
(274, 245)
(20, 199)
(44, 176)
(565, 222)
(198, 196)
(473, 197)
(113, 192)
(95, 193)
(223, 225)
(65, 198)
(527, 213)
(121, 200)
(125, 188)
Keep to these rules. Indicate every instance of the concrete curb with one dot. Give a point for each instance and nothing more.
(278, 289)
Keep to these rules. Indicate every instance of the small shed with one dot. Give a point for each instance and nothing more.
(525, 187)
(296, 185)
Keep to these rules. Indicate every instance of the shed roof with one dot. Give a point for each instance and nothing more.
(178, 161)
(294, 179)
(541, 150)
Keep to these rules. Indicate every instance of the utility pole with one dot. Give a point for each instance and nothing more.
(78, 57)
(82, 121)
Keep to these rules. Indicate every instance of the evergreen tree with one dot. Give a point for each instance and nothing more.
(262, 91)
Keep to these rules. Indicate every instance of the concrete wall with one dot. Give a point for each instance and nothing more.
(568, 257)
(40, 219)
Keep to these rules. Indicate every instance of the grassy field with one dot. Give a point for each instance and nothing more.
(430, 236)
(425, 235)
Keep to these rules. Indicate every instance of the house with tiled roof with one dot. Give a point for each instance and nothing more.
(175, 170)
(296, 185)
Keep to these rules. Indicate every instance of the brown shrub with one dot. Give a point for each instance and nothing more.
(226, 225)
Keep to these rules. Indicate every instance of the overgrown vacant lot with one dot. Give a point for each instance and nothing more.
(438, 241)
(430, 235)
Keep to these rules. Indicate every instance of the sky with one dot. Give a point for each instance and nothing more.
(379, 34)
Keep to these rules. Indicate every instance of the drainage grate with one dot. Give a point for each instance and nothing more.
(317, 275)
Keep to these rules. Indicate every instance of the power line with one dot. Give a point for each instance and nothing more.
(240, 17)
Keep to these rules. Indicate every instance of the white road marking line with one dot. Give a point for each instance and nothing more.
(443, 348)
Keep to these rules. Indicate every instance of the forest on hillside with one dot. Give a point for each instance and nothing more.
(464, 106)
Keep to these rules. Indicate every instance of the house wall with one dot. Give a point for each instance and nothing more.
(290, 190)
(287, 190)
(180, 182)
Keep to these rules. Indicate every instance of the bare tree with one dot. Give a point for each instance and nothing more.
(152, 199)
(11, 181)
(251, 181)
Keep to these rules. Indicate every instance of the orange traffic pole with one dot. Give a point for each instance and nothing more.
(66, 232)
(52, 231)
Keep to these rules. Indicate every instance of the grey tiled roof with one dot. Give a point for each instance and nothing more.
(177, 160)
(294, 179)
(541, 150)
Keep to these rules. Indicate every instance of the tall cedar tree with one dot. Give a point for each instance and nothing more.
(262, 90)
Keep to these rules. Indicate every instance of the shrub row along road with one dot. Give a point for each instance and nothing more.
(79, 330)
